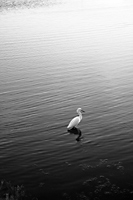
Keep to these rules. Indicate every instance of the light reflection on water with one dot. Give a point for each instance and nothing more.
(51, 64)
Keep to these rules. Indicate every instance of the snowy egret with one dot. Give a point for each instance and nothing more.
(76, 120)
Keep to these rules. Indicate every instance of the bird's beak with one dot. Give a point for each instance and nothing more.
(83, 111)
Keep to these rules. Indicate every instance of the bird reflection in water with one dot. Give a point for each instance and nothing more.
(76, 131)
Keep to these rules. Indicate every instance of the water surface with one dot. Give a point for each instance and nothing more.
(56, 56)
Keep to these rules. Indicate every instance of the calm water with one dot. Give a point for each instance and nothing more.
(56, 56)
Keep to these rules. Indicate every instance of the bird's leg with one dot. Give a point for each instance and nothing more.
(79, 135)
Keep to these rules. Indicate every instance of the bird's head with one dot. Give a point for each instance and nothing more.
(80, 110)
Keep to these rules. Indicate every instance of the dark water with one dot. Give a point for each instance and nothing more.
(56, 56)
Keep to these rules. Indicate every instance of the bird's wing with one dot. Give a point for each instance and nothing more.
(74, 122)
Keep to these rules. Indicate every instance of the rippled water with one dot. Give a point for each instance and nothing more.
(56, 56)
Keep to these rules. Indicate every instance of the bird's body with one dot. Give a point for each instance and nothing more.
(76, 120)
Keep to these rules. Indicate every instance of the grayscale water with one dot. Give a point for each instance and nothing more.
(56, 56)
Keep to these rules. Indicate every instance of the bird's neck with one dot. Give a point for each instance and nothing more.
(80, 115)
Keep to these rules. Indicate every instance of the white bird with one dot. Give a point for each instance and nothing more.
(76, 120)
